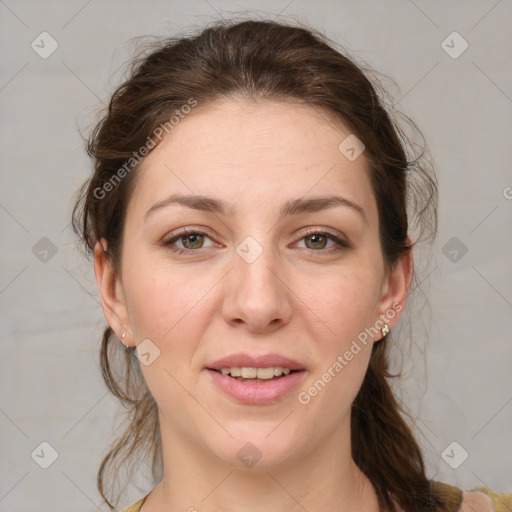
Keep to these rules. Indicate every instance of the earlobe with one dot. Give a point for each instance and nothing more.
(395, 289)
(111, 291)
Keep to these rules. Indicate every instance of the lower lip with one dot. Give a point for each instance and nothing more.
(257, 392)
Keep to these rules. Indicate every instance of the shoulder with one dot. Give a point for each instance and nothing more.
(477, 499)
(474, 500)
(136, 506)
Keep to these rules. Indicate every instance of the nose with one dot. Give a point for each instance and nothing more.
(256, 294)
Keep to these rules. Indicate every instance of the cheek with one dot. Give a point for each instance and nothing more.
(344, 301)
(166, 304)
(169, 307)
(346, 304)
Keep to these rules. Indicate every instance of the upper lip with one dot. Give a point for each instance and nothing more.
(254, 361)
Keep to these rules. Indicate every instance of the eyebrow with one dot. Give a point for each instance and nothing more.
(292, 207)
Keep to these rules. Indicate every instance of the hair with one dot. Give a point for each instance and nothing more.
(281, 62)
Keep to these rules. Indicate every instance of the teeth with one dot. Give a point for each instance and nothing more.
(256, 373)
(265, 373)
(249, 373)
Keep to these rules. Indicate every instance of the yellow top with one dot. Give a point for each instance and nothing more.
(501, 502)
(451, 494)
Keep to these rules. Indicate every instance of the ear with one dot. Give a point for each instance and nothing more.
(395, 289)
(112, 293)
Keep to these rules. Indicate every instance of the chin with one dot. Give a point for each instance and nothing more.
(256, 449)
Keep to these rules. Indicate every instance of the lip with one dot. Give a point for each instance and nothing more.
(257, 393)
(255, 361)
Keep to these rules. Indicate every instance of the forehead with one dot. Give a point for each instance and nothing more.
(245, 151)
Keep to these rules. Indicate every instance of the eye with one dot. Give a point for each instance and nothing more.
(317, 241)
(191, 240)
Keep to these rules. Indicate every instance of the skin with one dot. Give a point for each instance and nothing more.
(298, 298)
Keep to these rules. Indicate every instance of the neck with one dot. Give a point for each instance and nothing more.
(326, 479)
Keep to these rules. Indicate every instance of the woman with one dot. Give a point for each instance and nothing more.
(253, 251)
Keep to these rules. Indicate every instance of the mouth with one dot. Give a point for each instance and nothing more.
(256, 380)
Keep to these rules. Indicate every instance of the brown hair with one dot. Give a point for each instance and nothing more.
(264, 59)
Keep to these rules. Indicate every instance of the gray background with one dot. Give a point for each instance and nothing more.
(458, 384)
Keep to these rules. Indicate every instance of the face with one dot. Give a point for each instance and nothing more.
(264, 274)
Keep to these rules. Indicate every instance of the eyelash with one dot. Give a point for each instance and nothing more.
(341, 244)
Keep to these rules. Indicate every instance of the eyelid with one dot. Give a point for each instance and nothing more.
(339, 240)
(189, 230)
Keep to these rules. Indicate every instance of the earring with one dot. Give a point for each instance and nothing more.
(385, 330)
(122, 340)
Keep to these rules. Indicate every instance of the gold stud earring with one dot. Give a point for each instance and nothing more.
(385, 330)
